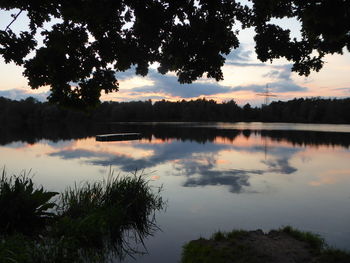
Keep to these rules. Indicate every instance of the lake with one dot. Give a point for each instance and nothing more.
(215, 176)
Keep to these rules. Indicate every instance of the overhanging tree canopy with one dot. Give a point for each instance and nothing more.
(94, 39)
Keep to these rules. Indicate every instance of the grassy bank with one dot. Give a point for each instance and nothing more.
(90, 222)
(283, 245)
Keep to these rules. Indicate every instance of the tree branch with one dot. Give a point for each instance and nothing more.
(14, 19)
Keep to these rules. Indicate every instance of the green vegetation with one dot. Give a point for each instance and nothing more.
(20, 248)
(315, 241)
(92, 222)
(23, 208)
(220, 248)
(325, 253)
(233, 235)
(256, 247)
(99, 214)
(16, 248)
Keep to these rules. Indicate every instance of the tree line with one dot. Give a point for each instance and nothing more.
(31, 112)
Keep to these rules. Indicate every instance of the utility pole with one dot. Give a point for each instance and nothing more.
(267, 95)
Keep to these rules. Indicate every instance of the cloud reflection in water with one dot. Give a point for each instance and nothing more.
(198, 163)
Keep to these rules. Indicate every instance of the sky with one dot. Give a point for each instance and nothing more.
(244, 77)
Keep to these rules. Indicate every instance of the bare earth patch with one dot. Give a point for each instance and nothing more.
(279, 247)
(286, 245)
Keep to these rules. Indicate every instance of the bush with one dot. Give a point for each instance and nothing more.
(24, 208)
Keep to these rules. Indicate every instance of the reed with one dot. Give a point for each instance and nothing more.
(89, 222)
(115, 214)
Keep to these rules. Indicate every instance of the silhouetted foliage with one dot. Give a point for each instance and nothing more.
(30, 113)
(312, 110)
(53, 123)
(91, 40)
(23, 206)
(92, 222)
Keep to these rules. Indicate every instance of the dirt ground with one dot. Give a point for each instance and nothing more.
(273, 247)
(279, 247)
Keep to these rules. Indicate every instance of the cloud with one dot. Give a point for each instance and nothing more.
(282, 80)
(346, 90)
(239, 54)
(168, 84)
(286, 86)
(16, 145)
(161, 153)
(21, 94)
(282, 72)
(241, 64)
(242, 57)
(236, 183)
(77, 154)
(280, 165)
(190, 157)
(278, 161)
(197, 163)
(128, 74)
(60, 143)
(278, 87)
(200, 170)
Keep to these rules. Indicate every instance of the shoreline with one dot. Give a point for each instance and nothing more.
(287, 245)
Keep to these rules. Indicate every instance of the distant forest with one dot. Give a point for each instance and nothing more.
(31, 112)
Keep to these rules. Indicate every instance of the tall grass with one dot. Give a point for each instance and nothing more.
(113, 214)
(91, 220)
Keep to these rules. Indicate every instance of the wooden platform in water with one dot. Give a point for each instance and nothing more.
(118, 137)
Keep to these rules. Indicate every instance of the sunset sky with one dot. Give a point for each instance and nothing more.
(244, 77)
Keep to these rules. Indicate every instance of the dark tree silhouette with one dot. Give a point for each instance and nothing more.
(20, 123)
(93, 40)
(32, 113)
(325, 28)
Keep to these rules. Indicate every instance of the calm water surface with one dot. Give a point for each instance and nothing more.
(215, 176)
